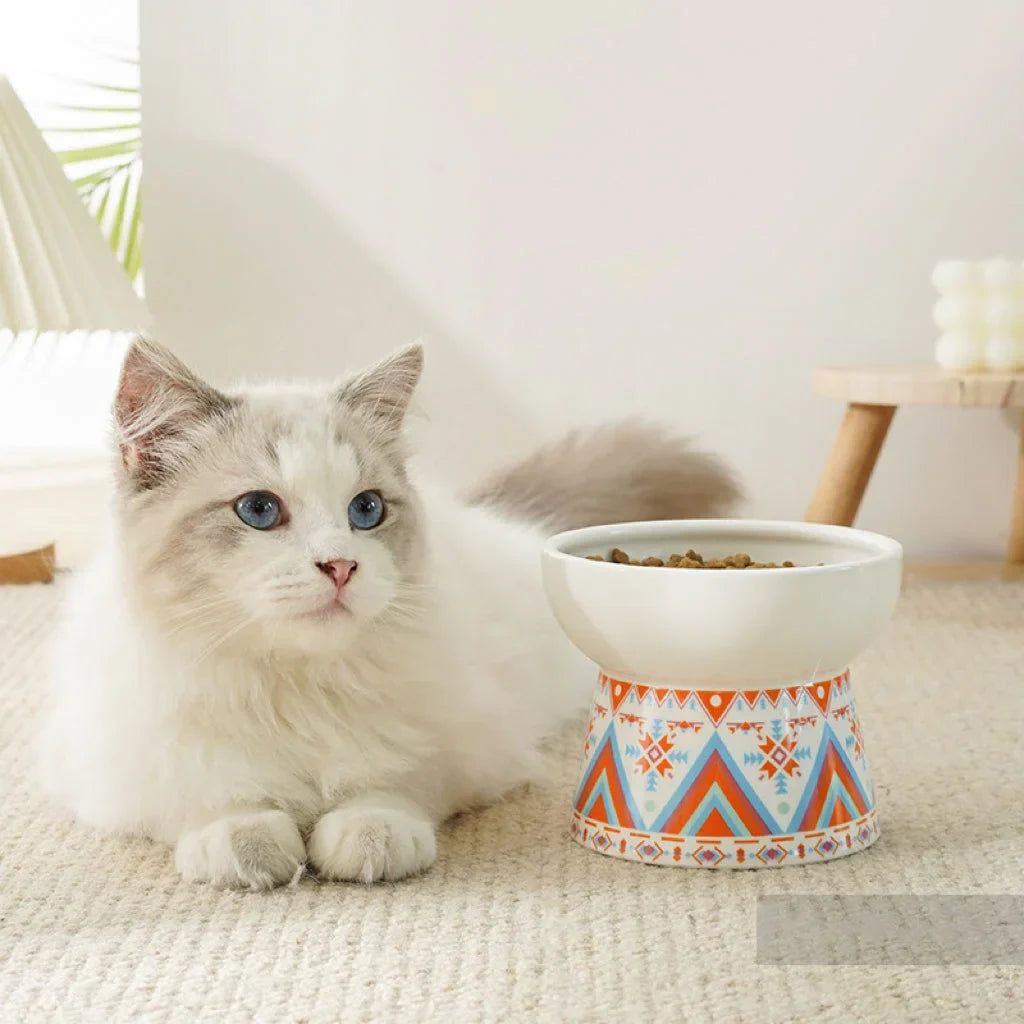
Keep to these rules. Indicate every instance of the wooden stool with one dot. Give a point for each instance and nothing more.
(872, 395)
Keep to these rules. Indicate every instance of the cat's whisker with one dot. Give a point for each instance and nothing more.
(197, 615)
(416, 588)
(288, 588)
(400, 616)
(188, 611)
(220, 641)
(198, 620)
(196, 624)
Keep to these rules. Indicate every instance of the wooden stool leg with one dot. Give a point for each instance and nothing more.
(30, 567)
(1015, 550)
(848, 469)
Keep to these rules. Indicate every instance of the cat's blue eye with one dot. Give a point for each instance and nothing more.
(366, 510)
(260, 509)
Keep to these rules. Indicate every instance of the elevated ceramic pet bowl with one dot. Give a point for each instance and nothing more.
(723, 731)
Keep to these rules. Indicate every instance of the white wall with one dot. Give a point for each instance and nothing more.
(595, 208)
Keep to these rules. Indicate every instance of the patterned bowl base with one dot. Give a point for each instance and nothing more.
(726, 851)
(725, 778)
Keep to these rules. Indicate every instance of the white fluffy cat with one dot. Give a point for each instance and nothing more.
(293, 649)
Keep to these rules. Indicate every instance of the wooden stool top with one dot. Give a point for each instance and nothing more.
(920, 385)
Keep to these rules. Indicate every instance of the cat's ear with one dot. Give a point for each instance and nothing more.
(384, 391)
(159, 401)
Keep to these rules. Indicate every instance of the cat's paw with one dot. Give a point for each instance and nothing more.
(367, 840)
(256, 850)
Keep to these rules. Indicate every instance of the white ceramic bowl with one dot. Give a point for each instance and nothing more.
(723, 731)
(723, 628)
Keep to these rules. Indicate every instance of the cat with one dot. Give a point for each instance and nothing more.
(294, 650)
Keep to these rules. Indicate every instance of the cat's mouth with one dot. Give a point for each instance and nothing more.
(334, 609)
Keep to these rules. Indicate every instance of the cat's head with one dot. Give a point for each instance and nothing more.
(277, 518)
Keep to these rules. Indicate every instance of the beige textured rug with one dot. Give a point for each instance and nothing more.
(516, 923)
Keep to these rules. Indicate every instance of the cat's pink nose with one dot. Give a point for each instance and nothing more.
(340, 570)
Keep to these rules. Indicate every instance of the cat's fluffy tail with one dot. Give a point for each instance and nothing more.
(617, 473)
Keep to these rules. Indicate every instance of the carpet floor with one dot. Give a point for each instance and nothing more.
(516, 922)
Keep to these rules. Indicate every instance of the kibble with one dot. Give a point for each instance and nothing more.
(691, 560)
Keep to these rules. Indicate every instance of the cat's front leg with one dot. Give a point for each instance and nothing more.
(371, 837)
(245, 849)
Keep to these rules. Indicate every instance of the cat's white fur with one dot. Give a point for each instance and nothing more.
(145, 738)
(251, 739)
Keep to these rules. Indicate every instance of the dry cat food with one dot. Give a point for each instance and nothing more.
(691, 560)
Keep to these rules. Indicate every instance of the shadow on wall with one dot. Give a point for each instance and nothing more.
(264, 280)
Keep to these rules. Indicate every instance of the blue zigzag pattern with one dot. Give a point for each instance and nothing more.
(715, 745)
(602, 786)
(829, 738)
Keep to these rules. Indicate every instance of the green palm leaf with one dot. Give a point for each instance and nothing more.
(101, 206)
(131, 90)
(90, 109)
(102, 156)
(88, 183)
(76, 129)
(119, 218)
(133, 247)
(79, 156)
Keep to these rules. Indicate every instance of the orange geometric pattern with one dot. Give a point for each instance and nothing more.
(602, 793)
(750, 768)
(718, 776)
(778, 754)
(836, 795)
(655, 754)
(822, 693)
(814, 847)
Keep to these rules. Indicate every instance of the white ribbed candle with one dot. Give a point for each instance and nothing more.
(980, 314)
